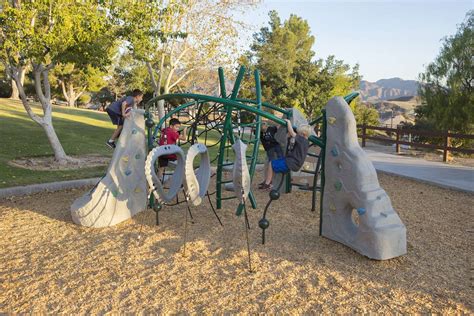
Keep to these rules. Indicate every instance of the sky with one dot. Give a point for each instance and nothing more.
(387, 38)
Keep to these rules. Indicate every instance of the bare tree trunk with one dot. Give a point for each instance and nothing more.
(156, 87)
(15, 93)
(161, 103)
(46, 121)
(59, 153)
(71, 101)
(70, 94)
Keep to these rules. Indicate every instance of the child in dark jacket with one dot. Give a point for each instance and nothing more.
(272, 148)
(298, 145)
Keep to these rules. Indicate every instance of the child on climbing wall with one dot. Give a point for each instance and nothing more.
(271, 146)
(169, 136)
(297, 150)
(119, 110)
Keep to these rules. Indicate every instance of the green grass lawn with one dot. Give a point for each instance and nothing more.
(80, 132)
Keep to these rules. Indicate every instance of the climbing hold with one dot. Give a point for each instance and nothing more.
(332, 207)
(138, 156)
(125, 158)
(334, 152)
(128, 172)
(361, 211)
(134, 131)
(339, 166)
(338, 185)
(331, 120)
(383, 214)
(274, 195)
(114, 193)
(138, 190)
(263, 223)
(149, 123)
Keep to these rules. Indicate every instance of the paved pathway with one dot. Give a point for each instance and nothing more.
(437, 173)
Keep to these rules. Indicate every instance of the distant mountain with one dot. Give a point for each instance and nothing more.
(387, 89)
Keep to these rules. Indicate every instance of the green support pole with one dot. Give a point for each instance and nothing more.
(228, 133)
(288, 175)
(148, 116)
(222, 82)
(323, 173)
(238, 81)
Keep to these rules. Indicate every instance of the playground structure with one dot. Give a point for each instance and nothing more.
(354, 210)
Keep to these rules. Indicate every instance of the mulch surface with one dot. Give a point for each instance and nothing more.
(49, 264)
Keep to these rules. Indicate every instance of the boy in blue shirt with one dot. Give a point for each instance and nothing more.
(119, 110)
(298, 145)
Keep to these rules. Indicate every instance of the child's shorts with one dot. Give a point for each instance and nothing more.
(163, 161)
(274, 153)
(116, 118)
(280, 166)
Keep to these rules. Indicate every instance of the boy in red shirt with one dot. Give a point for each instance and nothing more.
(170, 136)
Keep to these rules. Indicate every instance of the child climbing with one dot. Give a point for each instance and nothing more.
(169, 136)
(272, 148)
(297, 150)
(119, 110)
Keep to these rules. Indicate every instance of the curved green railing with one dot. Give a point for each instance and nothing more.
(235, 104)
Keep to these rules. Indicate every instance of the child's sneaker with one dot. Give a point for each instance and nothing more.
(111, 144)
(265, 186)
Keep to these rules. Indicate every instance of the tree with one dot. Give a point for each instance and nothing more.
(279, 51)
(366, 115)
(104, 96)
(46, 33)
(447, 84)
(74, 81)
(5, 88)
(290, 78)
(185, 37)
(15, 95)
(131, 74)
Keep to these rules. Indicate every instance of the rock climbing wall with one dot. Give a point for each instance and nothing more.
(356, 210)
(121, 193)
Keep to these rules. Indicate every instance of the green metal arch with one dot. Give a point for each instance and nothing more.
(265, 104)
(236, 104)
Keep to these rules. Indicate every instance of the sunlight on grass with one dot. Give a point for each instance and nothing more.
(80, 132)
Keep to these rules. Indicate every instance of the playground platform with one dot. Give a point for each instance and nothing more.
(441, 174)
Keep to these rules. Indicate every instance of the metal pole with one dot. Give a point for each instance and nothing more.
(323, 176)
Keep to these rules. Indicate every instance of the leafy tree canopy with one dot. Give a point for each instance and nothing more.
(447, 84)
(290, 77)
(50, 32)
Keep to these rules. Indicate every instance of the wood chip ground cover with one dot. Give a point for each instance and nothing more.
(48, 264)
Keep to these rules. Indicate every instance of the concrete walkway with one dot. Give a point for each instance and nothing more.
(437, 173)
(50, 186)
